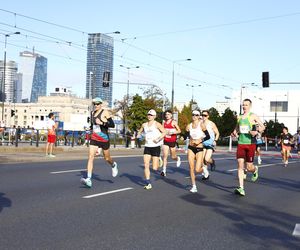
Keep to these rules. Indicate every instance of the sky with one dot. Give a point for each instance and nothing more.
(230, 43)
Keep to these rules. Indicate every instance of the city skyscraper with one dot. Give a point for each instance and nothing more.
(100, 52)
(11, 80)
(33, 68)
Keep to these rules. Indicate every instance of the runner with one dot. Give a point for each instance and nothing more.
(259, 144)
(197, 133)
(154, 134)
(209, 145)
(51, 127)
(246, 130)
(286, 139)
(172, 129)
(101, 121)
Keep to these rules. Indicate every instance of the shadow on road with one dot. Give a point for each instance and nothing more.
(4, 202)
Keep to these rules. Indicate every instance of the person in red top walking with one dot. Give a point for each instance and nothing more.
(172, 129)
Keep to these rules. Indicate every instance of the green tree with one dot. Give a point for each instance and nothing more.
(215, 116)
(228, 122)
(137, 112)
(273, 129)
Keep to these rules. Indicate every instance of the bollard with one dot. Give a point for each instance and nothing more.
(17, 137)
(37, 138)
(72, 139)
(230, 144)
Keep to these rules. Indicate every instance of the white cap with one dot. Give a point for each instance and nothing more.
(196, 112)
(151, 112)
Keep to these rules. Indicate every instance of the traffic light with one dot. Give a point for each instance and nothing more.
(106, 79)
(265, 79)
(12, 113)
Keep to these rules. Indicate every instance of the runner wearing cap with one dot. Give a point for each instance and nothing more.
(101, 121)
(197, 133)
(154, 134)
(286, 140)
(172, 129)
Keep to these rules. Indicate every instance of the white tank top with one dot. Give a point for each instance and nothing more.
(196, 133)
(152, 133)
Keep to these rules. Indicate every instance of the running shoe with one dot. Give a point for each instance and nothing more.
(255, 175)
(194, 189)
(161, 162)
(178, 162)
(213, 165)
(245, 175)
(52, 156)
(205, 174)
(239, 191)
(163, 173)
(86, 181)
(114, 169)
(148, 186)
(259, 161)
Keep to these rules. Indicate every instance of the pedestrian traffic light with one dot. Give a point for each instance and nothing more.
(265, 79)
(12, 113)
(106, 79)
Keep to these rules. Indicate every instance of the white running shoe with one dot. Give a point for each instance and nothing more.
(86, 181)
(178, 162)
(259, 161)
(193, 189)
(114, 169)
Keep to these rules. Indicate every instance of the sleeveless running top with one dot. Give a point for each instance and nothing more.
(285, 139)
(100, 132)
(245, 126)
(209, 128)
(196, 133)
(152, 133)
(171, 132)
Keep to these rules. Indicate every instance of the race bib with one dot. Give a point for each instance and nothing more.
(285, 141)
(244, 129)
(96, 129)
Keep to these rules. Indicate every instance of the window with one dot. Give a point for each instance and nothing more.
(279, 106)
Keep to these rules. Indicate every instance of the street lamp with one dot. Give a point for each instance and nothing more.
(173, 80)
(243, 86)
(4, 69)
(192, 86)
(127, 96)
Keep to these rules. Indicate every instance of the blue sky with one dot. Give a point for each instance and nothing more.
(230, 42)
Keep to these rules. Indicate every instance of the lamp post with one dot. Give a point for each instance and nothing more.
(127, 96)
(192, 86)
(4, 70)
(173, 80)
(243, 86)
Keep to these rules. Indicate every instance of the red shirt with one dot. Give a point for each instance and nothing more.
(171, 132)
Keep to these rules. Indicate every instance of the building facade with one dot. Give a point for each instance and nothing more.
(100, 52)
(9, 83)
(278, 105)
(33, 68)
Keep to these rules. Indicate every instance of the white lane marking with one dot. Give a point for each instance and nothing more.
(105, 193)
(296, 231)
(263, 166)
(84, 169)
(68, 171)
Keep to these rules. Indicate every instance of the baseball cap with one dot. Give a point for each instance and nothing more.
(196, 112)
(97, 100)
(151, 112)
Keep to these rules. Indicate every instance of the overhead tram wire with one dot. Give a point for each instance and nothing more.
(122, 40)
(214, 26)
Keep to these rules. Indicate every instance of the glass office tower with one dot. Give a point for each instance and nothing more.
(100, 52)
(11, 81)
(33, 68)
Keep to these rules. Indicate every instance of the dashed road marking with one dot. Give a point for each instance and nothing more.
(68, 171)
(106, 193)
(296, 231)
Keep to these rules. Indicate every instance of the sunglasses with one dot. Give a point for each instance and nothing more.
(149, 114)
(204, 115)
(195, 115)
(98, 103)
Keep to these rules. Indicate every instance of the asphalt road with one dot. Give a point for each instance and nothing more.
(44, 206)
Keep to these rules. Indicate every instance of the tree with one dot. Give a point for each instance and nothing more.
(137, 112)
(215, 116)
(273, 129)
(228, 122)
